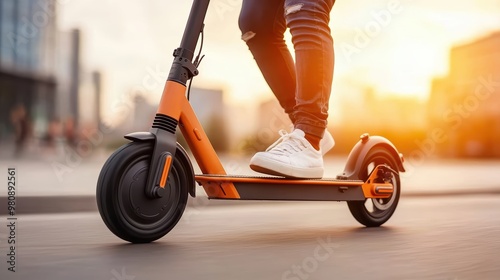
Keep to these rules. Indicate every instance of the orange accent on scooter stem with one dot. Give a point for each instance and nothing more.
(164, 174)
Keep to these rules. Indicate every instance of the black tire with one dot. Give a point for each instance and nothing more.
(121, 199)
(375, 212)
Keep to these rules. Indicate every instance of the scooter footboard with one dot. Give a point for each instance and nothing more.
(280, 188)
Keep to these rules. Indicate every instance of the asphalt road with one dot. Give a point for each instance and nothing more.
(427, 238)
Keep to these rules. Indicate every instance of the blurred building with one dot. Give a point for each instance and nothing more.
(143, 115)
(207, 103)
(401, 119)
(69, 77)
(271, 116)
(27, 61)
(209, 107)
(384, 113)
(39, 68)
(262, 129)
(465, 103)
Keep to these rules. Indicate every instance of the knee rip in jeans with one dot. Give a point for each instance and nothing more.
(293, 8)
(247, 36)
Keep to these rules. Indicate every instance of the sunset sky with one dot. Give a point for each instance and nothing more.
(395, 47)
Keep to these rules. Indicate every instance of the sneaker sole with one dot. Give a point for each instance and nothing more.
(270, 167)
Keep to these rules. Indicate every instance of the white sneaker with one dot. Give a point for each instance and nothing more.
(291, 156)
(326, 143)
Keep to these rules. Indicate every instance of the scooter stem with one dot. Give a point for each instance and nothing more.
(164, 125)
(182, 68)
(194, 25)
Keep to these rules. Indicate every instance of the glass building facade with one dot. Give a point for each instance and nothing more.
(27, 61)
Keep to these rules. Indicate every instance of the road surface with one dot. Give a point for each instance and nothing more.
(427, 238)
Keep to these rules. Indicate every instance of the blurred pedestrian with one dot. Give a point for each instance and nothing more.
(21, 124)
(70, 132)
(53, 133)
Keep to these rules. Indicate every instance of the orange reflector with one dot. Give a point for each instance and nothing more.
(164, 174)
(383, 189)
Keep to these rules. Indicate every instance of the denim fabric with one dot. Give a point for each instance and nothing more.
(302, 88)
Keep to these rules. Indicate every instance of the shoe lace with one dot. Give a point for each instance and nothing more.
(286, 143)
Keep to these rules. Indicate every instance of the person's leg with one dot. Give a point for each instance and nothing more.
(299, 154)
(262, 24)
(314, 58)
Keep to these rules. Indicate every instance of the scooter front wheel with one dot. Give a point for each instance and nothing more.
(121, 198)
(375, 212)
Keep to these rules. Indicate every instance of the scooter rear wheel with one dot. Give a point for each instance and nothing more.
(375, 212)
(121, 198)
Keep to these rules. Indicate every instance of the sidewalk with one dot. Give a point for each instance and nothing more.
(49, 184)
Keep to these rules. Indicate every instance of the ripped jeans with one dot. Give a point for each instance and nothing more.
(302, 88)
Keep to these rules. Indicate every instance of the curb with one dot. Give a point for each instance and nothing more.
(87, 203)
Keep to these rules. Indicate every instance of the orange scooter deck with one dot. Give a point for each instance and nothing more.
(280, 188)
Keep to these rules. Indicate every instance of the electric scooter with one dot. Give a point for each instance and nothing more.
(143, 187)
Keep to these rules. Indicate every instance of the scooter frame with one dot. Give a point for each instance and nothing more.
(175, 111)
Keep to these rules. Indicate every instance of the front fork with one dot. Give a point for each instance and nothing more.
(165, 146)
(168, 115)
(165, 143)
